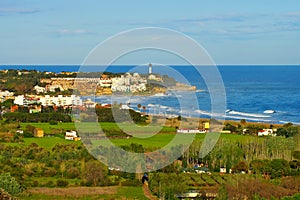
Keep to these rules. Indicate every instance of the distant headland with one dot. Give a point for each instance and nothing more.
(87, 83)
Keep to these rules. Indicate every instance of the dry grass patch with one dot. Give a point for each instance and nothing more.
(75, 191)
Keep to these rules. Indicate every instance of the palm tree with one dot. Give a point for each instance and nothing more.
(139, 106)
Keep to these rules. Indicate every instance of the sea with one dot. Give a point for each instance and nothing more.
(256, 93)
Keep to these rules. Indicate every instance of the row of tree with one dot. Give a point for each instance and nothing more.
(35, 117)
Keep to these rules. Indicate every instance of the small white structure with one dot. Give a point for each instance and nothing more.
(5, 94)
(266, 132)
(150, 68)
(125, 107)
(19, 100)
(72, 135)
(89, 103)
(191, 131)
(223, 170)
(39, 89)
(52, 88)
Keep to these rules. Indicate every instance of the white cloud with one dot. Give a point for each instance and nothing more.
(4, 10)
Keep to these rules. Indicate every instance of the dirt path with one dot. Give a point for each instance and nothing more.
(147, 193)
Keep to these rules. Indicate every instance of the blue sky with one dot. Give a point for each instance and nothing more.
(232, 32)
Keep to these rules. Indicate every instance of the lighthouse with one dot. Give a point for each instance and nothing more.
(150, 69)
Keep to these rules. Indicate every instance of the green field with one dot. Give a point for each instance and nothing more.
(143, 137)
(93, 127)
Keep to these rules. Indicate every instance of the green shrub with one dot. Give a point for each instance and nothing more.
(53, 122)
(62, 183)
(9, 184)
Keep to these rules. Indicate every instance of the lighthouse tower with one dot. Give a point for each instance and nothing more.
(150, 69)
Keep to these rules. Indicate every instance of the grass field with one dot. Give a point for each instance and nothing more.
(144, 136)
(93, 127)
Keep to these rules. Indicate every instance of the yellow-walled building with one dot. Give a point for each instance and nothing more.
(206, 125)
(38, 132)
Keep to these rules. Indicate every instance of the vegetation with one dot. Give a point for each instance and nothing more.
(9, 184)
(23, 81)
(36, 117)
(271, 163)
(84, 193)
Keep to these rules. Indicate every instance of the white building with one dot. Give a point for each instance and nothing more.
(266, 132)
(60, 100)
(39, 89)
(89, 103)
(5, 94)
(105, 82)
(52, 88)
(72, 135)
(22, 100)
(150, 68)
(19, 100)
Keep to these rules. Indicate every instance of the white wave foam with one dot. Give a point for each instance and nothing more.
(269, 111)
(232, 112)
(285, 122)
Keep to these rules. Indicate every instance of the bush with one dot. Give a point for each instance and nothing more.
(9, 184)
(53, 122)
(50, 184)
(73, 172)
(35, 184)
(62, 183)
(27, 135)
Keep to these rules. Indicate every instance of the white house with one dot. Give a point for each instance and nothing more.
(19, 100)
(266, 132)
(72, 135)
(5, 94)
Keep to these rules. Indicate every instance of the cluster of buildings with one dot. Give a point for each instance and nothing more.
(129, 83)
(48, 100)
(124, 83)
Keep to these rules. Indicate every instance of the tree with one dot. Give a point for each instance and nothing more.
(296, 155)
(243, 122)
(241, 166)
(7, 103)
(230, 127)
(95, 173)
(280, 167)
(139, 106)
